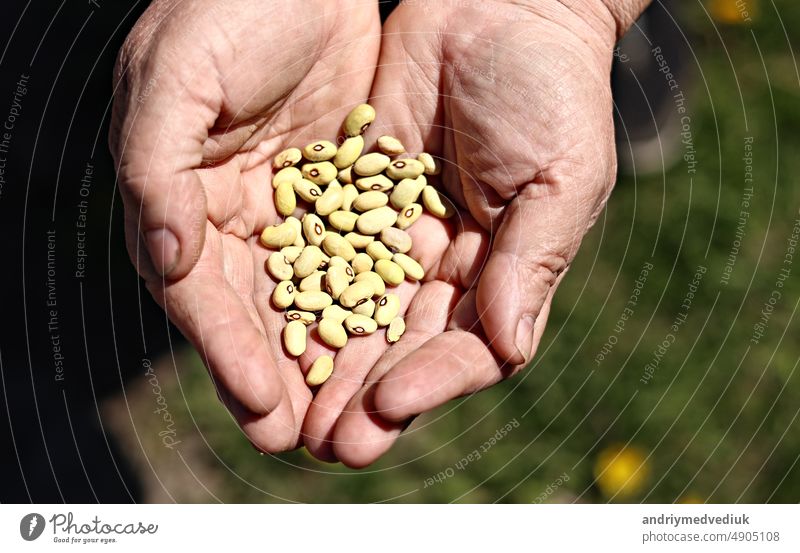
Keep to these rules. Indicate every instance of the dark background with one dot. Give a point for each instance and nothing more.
(55, 448)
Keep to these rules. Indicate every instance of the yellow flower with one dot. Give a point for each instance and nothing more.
(621, 471)
(733, 11)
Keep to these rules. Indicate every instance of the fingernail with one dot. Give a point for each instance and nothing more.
(164, 250)
(524, 337)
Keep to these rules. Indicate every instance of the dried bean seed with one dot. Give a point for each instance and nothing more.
(336, 281)
(396, 329)
(432, 166)
(360, 324)
(307, 190)
(378, 182)
(303, 316)
(436, 204)
(285, 200)
(343, 220)
(312, 301)
(284, 294)
(386, 309)
(319, 173)
(335, 244)
(404, 169)
(375, 220)
(376, 250)
(308, 261)
(350, 193)
(321, 150)
(358, 240)
(349, 151)
(291, 253)
(287, 158)
(390, 145)
(323, 265)
(407, 191)
(294, 337)
(366, 308)
(356, 292)
(345, 175)
(321, 369)
(295, 223)
(358, 120)
(390, 272)
(409, 216)
(332, 333)
(279, 267)
(410, 266)
(378, 286)
(331, 199)
(278, 236)
(313, 282)
(287, 174)
(313, 228)
(398, 240)
(371, 164)
(370, 200)
(336, 313)
(337, 261)
(362, 262)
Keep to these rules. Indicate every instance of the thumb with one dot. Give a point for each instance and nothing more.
(157, 134)
(540, 232)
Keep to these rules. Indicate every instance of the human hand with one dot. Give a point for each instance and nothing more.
(206, 92)
(515, 97)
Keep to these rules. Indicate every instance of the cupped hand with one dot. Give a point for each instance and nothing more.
(206, 92)
(515, 98)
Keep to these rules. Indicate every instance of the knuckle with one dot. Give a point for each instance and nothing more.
(543, 268)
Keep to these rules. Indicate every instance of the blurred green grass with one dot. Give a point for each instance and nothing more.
(718, 419)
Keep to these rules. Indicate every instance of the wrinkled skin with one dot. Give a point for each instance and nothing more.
(515, 99)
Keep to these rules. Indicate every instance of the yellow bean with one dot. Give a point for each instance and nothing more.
(287, 158)
(332, 333)
(278, 236)
(294, 337)
(390, 271)
(349, 151)
(358, 120)
(321, 150)
(287, 174)
(321, 369)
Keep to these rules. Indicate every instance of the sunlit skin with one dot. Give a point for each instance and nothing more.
(514, 99)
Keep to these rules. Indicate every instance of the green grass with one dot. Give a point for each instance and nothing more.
(718, 417)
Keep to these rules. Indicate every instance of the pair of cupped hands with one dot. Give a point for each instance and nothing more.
(513, 96)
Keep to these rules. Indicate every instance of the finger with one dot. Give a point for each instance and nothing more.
(405, 90)
(160, 121)
(452, 381)
(352, 364)
(447, 366)
(540, 233)
(465, 256)
(280, 430)
(361, 435)
(212, 315)
(272, 433)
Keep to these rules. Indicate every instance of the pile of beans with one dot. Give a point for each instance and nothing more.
(333, 266)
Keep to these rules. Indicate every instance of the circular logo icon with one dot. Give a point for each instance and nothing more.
(31, 526)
